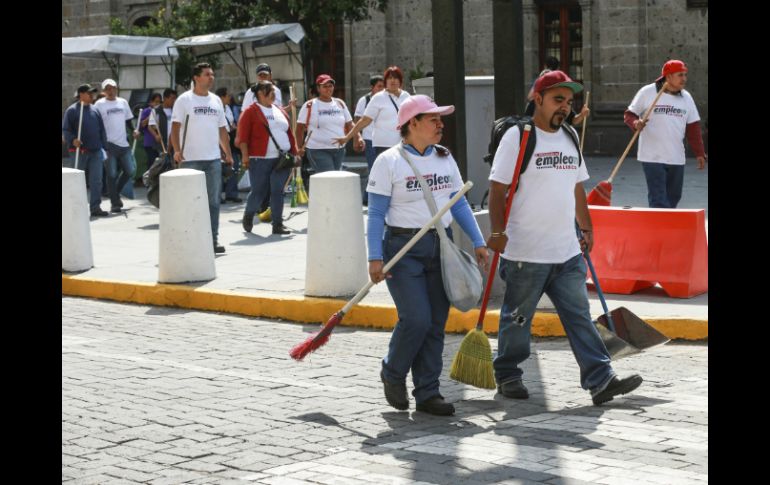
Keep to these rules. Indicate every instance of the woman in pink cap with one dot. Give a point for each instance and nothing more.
(398, 209)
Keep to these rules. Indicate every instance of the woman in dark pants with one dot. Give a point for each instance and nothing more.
(397, 207)
(255, 127)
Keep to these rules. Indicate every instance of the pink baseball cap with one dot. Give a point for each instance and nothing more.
(420, 104)
(671, 67)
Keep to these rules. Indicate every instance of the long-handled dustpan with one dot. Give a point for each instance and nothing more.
(623, 332)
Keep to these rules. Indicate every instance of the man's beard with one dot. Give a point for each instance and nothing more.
(552, 122)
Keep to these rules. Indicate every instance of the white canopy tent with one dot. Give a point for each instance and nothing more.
(136, 62)
(279, 45)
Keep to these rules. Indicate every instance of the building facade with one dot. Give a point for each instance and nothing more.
(613, 47)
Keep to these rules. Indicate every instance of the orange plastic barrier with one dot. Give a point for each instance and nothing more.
(635, 248)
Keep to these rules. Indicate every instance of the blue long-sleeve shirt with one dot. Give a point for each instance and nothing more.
(92, 133)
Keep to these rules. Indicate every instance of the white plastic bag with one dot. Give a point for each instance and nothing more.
(244, 184)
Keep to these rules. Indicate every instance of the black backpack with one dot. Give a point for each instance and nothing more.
(500, 126)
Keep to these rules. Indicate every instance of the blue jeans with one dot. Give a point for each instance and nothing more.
(263, 178)
(378, 151)
(664, 184)
(370, 156)
(92, 164)
(565, 285)
(213, 171)
(417, 289)
(324, 160)
(118, 156)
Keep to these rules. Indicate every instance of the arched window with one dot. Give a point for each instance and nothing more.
(143, 21)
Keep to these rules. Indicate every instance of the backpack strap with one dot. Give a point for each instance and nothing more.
(573, 136)
(368, 98)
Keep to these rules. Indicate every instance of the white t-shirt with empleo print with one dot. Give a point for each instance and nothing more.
(207, 115)
(367, 132)
(391, 175)
(662, 140)
(382, 110)
(541, 225)
(114, 114)
(327, 122)
(279, 126)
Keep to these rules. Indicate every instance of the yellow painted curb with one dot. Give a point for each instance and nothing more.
(315, 310)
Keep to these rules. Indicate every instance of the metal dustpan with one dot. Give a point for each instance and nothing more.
(623, 332)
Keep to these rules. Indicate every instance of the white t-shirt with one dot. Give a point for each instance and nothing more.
(327, 122)
(391, 175)
(114, 114)
(207, 115)
(249, 98)
(662, 140)
(279, 126)
(385, 118)
(541, 226)
(360, 109)
(229, 117)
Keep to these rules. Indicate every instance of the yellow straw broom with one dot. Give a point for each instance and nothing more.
(472, 364)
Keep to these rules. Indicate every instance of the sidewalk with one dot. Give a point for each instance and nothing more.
(263, 275)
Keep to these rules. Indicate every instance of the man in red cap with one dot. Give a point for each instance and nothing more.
(661, 144)
(539, 250)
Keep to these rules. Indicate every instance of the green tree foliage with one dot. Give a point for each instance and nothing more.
(197, 17)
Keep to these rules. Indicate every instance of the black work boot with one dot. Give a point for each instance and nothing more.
(617, 387)
(281, 229)
(513, 389)
(395, 393)
(437, 406)
(248, 221)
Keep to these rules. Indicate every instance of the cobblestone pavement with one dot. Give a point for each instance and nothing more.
(167, 396)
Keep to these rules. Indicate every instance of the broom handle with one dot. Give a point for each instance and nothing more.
(425, 228)
(636, 133)
(585, 122)
(80, 126)
(509, 202)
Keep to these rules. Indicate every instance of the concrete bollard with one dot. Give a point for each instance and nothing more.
(464, 243)
(76, 251)
(336, 252)
(186, 246)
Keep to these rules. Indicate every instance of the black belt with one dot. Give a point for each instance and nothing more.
(406, 230)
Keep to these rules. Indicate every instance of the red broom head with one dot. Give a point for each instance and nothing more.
(601, 194)
(316, 340)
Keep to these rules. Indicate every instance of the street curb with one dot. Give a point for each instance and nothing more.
(315, 310)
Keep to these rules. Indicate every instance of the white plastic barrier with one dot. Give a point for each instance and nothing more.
(76, 251)
(186, 244)
(336, 252)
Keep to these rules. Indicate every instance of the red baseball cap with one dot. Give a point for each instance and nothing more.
(323, 79)
(671, 67)
(556, 79)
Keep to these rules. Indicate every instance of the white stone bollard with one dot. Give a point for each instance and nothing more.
(76, 251)
(186, 245)
(464, 243)
(336, 252)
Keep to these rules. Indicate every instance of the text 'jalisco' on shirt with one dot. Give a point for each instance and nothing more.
(661, 141)
(391, 175)
(541, 225)
(207, 115)
(114, 115)
(327, 122)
